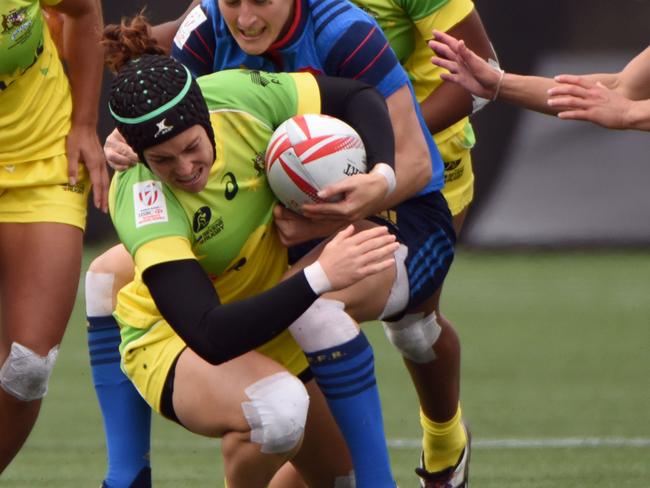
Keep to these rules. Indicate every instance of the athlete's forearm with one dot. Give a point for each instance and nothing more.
(219, 332)
(84, 56)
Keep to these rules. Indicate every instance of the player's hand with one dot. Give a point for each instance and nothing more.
(581, 99)
(295, 229)
(360, 195)
(465, 67)
(119, 154)
(82, 146)
(349, 257)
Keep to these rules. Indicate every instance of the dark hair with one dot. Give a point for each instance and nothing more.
(128, 40)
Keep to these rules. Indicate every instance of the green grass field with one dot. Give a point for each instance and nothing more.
(556, 354)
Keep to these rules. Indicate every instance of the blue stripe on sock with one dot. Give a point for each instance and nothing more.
(112, 339)
(107, 360)
(351, 393)
(98, 323)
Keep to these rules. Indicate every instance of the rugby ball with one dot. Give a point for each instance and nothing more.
(309, 152)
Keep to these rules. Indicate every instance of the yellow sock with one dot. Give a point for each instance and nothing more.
(442, 443)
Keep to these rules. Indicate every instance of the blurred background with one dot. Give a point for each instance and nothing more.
(540, 182)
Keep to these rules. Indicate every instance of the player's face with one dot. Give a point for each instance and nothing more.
(184, 161)
(256, 24)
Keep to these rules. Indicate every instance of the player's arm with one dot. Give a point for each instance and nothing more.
(363, 53)
(164, 33)
(84, 58)
(615, 101)
(450, 102)
(219, 332)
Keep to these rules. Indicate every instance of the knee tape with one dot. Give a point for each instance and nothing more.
(25, 374)
(99, 294)
(277, 412)
(399, 293)
(414, 336)
(323, 325)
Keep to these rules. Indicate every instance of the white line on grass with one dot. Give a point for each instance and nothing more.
(537, 443)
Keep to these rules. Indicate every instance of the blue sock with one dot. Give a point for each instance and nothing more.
(127, 417)
(346, 375)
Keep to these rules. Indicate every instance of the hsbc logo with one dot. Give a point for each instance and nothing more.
(149, 203)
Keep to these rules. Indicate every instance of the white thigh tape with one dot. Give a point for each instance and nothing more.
(99, 294)
(25, 374)
(399, 293)
(277, 412)
(414, 336)
(323, 325)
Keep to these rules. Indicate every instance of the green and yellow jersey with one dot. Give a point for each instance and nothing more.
(227, 226)
(35, 100)
(408, 25)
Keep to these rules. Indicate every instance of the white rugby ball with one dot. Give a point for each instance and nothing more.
(309, 152)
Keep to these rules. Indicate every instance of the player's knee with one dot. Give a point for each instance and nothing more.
(277, 412)
(414, 336)
(399, 293)
(26, 374)
(323, 325)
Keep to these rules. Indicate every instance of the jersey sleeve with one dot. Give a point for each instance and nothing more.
(148, 218)
(195, 41)
(357, 48)
(271, 98)
(436, 14)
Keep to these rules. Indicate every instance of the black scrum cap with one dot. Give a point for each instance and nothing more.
(154, 98)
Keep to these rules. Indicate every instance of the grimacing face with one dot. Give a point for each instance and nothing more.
(184, 161)
(257, 24)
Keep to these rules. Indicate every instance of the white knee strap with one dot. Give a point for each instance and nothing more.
(399, 293)
(277, 412)
(414, 336)
(25, 374)
(323, 325)
(99, 294)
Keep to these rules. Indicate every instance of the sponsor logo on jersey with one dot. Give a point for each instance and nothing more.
(149, 203)
(163, 128)
(14, 19)
(78, 188)
(194, 19)
(453, 170)
(232, 187)
(212, 231)
(201, 219)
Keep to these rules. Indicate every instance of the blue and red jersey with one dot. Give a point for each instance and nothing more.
(331, 37)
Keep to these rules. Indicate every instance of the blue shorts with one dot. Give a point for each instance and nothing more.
(424, 225)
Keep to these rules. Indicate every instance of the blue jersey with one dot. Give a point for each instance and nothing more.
(331, 37)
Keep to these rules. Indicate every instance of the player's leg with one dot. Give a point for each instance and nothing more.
(39, 266)
(342, 361)
(254, 405)
(323, 460)
(41, 237)
(427, 341)
(126, 416)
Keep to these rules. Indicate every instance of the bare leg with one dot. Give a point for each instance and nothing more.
(39, 266)
(208, 401)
